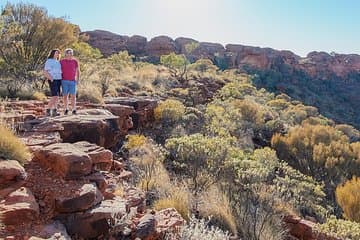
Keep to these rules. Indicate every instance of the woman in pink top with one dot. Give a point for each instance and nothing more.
(70, 78)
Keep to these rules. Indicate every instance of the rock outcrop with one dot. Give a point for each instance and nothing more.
(235, 55)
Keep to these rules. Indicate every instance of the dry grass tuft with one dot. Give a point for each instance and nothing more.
(11, 147)
(215, 204)
(90, 93)
(39, 96)
(179, 198)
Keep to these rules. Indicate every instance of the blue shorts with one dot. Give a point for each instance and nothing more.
(68, 87)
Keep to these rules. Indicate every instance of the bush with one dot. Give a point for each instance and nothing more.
(321, 151)
(134, 141)
(340, 228)
(11, 147)
(169, 110)
(236, 90)
(350, 131)
(348, 197)
(198, 229)
(202, 158)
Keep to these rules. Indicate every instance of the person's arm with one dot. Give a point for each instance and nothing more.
(47, 75)
(78, 72)
(46, 72)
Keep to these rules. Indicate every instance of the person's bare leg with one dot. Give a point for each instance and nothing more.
(66, 104)
(50, 106)
(51, 103)
(73, 102)
(56, 102)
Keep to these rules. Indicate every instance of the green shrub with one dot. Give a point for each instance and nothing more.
(340, 228)
(169, 111)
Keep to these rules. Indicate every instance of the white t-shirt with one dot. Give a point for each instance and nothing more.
(53, 67)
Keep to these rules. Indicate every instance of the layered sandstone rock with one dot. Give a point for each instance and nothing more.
(87, 197)
(98, 220)
(76, 160)
(19, 207)
(12, 177)
(143, 108)
(11, 172)
(101, 158)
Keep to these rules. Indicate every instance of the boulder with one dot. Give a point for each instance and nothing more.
(101, 158)
(146, 228)
(99, 179)
(10, 172)
(87, 197)
(93, 125)
(53, 230)
(65, 159)
(135, 198)
(97, 126)
(143, 108)
(19, 207)
(37, 140)
(98, 220)
(304, 229)
(167, 220)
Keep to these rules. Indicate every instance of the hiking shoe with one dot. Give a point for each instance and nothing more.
(66, 112)
(55, 113)
(74, 112)
(48, 112)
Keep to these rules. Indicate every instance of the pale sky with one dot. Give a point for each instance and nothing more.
(300, 26)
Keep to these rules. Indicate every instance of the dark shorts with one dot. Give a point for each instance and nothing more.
(55, 87)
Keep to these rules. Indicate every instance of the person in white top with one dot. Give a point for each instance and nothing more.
(52, 72)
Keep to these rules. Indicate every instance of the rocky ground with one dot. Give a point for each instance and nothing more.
(73, 185)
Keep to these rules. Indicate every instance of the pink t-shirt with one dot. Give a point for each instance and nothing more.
(68, 68)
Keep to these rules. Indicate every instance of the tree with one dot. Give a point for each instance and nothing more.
(27, 36)
(121, 60)
(177, 64)
(85, 52)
